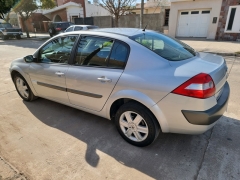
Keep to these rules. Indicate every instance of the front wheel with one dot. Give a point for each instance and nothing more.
(136, 124)
(23, 88)
(4, 37)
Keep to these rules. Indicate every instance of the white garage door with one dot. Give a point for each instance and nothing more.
(193, 23)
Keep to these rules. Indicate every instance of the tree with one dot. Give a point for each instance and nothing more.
(5, 7)
(46, 4)
(25, 8)
(117, 7)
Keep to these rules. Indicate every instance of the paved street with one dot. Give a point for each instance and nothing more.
(45, 140)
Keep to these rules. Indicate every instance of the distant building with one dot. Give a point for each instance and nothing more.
(68, 10)
(210, 19)
(154, 7)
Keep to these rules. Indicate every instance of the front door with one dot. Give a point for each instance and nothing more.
(48, 75)
(98, 65)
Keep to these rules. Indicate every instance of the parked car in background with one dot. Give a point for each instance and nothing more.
(7, 30)
(58, 27)
(144, 81)
(80, 28)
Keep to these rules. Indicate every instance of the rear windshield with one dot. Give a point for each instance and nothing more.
(5, 25)
(63, 25)
(165, 46)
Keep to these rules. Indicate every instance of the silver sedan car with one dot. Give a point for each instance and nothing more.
(80, 28)
(144, 81)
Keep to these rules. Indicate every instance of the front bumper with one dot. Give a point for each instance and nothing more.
(211, 115)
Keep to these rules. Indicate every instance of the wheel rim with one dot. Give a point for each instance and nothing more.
(133, 126)
(22, 87)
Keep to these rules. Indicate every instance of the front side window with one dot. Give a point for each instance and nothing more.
(58, 50)
(166, 47)
(93, 51)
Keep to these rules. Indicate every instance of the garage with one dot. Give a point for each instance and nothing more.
(193, 23)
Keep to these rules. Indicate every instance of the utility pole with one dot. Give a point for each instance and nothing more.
(141, 14)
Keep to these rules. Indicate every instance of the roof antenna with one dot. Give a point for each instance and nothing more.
(153, 13)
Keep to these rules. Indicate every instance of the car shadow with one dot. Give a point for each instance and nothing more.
(176, 153)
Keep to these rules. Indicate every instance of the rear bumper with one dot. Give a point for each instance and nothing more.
(211, 115)
(12, 33)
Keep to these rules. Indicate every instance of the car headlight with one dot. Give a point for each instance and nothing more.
(4, 30)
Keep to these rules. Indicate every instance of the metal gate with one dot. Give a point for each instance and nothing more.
(81, 21)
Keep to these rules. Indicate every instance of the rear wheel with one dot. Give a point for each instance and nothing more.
(23, 88)
(50, 32)
(136, 124)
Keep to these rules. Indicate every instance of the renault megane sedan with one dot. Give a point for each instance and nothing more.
(144, 81)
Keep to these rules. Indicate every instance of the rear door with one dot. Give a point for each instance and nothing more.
(98, 65)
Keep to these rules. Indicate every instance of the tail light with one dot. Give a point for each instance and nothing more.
(200, 86)
(58, 29)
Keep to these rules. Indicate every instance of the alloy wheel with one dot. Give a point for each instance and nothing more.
(133, 126)
(22, 87)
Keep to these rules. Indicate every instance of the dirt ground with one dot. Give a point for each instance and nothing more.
(44, 140)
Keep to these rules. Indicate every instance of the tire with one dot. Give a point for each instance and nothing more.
(4, 37)
(23, 88)
(140, 128)
(50, 32)
(18, 36)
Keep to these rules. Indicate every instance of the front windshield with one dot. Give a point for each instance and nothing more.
(5, 25)
(165, 46)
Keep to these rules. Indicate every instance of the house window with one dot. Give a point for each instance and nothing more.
(205, 12)
(167, 11)
(231, 19)
(184, 13)
(195, 12)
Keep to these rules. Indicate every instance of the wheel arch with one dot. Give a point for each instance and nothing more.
(122, 97)
(15, 70)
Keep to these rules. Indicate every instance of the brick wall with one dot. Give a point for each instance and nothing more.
(35, 21)
(220, 35)
(62, 13)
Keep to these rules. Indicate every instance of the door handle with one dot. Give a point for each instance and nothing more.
(59, 73)
(104, 79)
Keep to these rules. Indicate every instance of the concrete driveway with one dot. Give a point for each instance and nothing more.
(46, 140)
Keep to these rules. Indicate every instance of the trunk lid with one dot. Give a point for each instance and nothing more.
(211, 64)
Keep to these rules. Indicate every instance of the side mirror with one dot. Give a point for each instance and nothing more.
(29, 59)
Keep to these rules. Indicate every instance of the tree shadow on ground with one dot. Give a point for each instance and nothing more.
(181, 154)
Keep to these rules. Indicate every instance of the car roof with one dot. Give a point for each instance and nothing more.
(122, 31)
(83, 25)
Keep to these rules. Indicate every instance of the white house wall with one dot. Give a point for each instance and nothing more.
(95, 10)
(74, 11)
(177, 6)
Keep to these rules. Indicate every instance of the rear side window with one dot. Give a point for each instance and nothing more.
(63, 25)
(119, 55)
(77, 28)
(166, 47)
